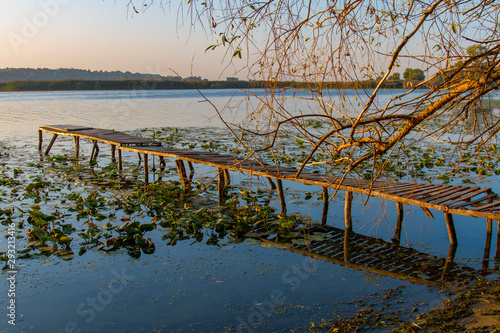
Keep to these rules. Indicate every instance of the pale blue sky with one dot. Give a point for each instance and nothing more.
(101, 35)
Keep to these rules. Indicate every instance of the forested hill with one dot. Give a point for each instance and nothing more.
(45, 74)
(55, 85)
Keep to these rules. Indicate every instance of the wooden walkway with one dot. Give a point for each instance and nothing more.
(462, 200)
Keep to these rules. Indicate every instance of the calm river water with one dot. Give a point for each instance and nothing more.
(196, 287)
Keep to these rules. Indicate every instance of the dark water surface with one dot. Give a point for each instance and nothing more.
(197, 287)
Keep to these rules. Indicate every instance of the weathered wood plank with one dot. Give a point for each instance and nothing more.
(457, 195)
(480, 200)
(468, 196)
(488, 207)
(453, 191)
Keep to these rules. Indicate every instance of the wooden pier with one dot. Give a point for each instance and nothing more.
(449, 199)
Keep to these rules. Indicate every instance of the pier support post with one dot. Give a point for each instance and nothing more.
(40, 139)
(113, 153)
(497, 252)
(487, 245)
(182, 173)
(451, 228)
(271, 183)
(120, 163)
(95, 151)
(77, 146)
(281, 195)
(163, 164)
(51, 144)
(324, 214)
(399, 223)
(146, 169)
(348, 210)
(191, 171)
(221, 185)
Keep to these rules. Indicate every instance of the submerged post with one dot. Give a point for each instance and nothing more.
(451, 228)
(399, 223)
(348, 210)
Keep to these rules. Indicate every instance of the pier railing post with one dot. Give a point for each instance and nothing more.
(348, 210)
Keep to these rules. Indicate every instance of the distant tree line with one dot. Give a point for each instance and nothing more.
(30, 85)
(46, 74)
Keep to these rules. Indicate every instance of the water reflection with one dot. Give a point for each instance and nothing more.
(347, 248)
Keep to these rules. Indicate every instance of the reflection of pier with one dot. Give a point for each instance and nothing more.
(346, 248)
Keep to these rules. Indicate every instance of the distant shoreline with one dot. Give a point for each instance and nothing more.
(143, 84)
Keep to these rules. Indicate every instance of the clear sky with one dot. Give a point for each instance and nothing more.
(102, 35)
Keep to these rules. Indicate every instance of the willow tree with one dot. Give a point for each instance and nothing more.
(328, 63)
